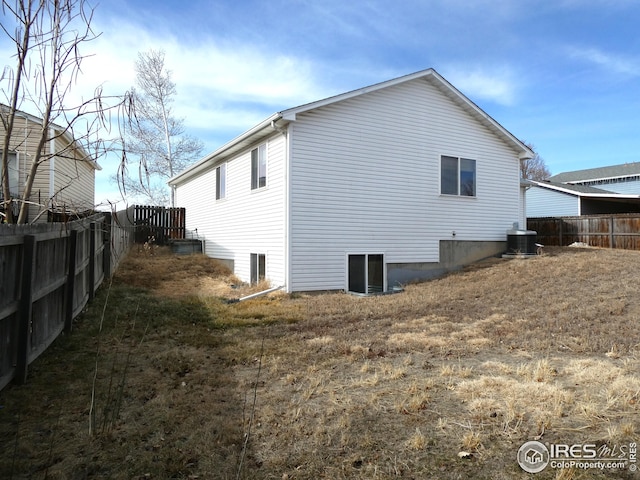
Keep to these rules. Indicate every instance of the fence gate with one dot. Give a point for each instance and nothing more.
(162, 223)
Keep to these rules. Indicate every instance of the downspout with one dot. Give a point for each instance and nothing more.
(259, 294)
(52, 166)
(22, 171)
(287, 205)
(287, 215)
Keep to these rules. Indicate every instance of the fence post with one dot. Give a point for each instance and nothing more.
(106, 239)
(560, 232)
(611, 235)
(92, 260)
(26, 308)
(71, 281)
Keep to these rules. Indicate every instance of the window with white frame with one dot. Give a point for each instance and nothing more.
(258, 267)
(14, 173)
(457, 176)
(259, 167)
(221, 181)
(365, 273)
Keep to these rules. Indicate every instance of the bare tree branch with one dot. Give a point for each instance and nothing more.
(156, 137)
(534, 168)
(48, 37)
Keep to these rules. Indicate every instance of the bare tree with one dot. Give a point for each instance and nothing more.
(156, 136)
(534, 168)
(48, 35)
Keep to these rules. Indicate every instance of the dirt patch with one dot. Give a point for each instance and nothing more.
(333, 385)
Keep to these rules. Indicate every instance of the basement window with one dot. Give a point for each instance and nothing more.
(258, 267)
(259, 167)
(457, 176)
(366, 273)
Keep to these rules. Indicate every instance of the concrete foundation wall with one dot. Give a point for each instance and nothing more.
(230, 264)
(454, 254)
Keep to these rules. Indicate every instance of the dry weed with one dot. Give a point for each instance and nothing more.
(348, 387)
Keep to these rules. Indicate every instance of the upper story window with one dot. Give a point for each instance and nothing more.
(221, 181)
(457, 176)
(259, 167)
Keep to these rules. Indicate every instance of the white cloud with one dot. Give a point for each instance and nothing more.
(617, 64)
(216, 83)
(222, 89)
(499, 86)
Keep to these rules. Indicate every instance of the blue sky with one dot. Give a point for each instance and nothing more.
(563, 75)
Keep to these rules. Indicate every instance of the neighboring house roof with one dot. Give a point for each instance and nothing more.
(280, 119)
(599, 173)
(580, 190)
(66, 134)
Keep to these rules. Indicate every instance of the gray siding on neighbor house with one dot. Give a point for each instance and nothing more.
(365, 178)
(543, 202)
(73, 180)
(627, 187)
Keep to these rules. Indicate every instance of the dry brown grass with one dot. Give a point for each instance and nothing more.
(345, 387)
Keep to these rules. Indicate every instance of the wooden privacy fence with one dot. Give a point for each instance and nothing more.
(48, 273)
(608, 231)
(162, 223)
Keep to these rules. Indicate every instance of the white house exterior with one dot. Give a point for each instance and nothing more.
(602, 190)
(363, 191)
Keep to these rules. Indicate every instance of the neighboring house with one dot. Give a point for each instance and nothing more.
(64, 184)
(363, 191)
(603, 190)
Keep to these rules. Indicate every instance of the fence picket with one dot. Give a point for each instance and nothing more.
(72, 260)
(71, 280)
(70, 266)
(606, 231)
(26, 307)
(161, 223)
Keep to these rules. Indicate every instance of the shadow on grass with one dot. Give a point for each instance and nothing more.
(140, 389)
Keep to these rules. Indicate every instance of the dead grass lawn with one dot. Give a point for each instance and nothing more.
(333, 385)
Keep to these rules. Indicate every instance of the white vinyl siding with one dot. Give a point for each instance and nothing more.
(248, 221)
(365, 177)
(544, 202)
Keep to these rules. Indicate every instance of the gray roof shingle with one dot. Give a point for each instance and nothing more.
(577, 188)
(599, 173)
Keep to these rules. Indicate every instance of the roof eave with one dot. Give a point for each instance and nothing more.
(229, 148)
(290, 115)
(524, 151)
(583, 194)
